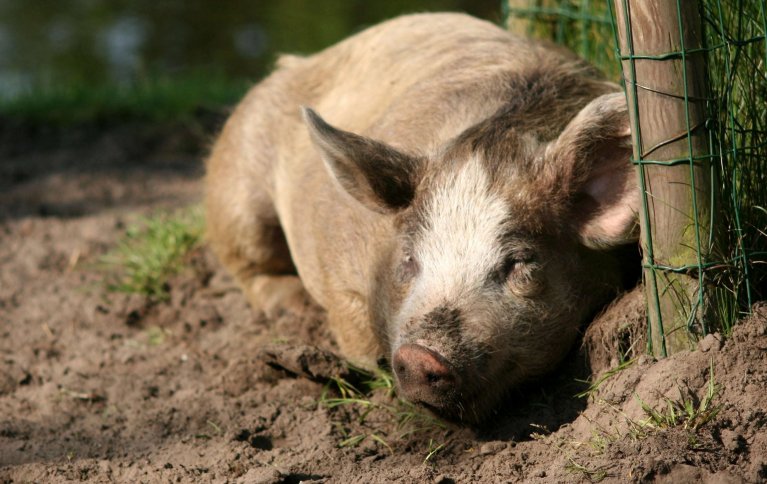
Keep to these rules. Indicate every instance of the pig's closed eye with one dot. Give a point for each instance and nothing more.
(408, 267)
(510, 267)
(523, 277)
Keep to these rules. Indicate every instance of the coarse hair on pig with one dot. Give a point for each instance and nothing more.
(458, 215)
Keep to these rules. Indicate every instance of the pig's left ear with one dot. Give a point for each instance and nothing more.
(594, 173)
(377, 175)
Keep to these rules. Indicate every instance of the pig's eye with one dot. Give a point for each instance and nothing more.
(408, 268)
(523, 277)
(511, 268)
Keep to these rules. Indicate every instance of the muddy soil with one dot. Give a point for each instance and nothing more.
(104, 387)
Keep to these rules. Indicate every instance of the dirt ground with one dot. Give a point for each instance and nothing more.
(104, 387)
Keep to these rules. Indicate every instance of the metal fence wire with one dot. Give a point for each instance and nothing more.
(695, 76)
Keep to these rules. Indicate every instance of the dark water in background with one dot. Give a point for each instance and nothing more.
(60, 42)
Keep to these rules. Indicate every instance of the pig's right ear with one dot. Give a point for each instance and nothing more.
(378, 176)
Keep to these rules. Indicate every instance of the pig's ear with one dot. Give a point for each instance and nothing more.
(594, 169)
(378, 176)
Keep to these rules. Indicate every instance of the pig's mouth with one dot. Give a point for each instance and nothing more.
(453, 408)
(447, 407)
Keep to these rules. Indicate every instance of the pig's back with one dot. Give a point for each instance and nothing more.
(419, 80)
(413, 82)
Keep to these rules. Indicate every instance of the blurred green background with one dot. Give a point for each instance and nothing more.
(53, 45)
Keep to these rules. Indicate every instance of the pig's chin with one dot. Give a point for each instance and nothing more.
(459, 405)
(467, 410)
(443, 409)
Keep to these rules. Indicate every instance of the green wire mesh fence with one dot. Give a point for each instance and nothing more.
(698, 100)
(585, 26)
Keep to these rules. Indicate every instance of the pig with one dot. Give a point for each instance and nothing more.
(459, 215)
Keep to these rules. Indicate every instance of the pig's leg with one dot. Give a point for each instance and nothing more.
(244, 231)
(269, 279)
(349, 321)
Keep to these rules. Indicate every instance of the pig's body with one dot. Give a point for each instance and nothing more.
(400, 249)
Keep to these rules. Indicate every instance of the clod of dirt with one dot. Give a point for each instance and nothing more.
(305, 361)
(443, 480)
(260, 442)
(261, 476)
(619, 329)
(131, 308)
(733, 441)
(688, 473)
(273, 476)
(12, 377)
(712, 342)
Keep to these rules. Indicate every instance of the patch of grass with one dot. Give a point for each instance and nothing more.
(155, 336)
(591, 474)
(373, 401)
(575, 458)
(158, 98)
(151, 251)
(352, 441)
(216, 428)
(600, 441)
(685, 411)
(596, 384)
(584, 27)
(434, 448)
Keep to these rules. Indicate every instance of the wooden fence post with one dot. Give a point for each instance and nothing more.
(664, 68)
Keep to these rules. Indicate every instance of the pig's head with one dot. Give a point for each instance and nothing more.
(501, 248)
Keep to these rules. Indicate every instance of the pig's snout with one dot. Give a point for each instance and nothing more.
(424, 375)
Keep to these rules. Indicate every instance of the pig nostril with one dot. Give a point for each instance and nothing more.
(420, 369)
